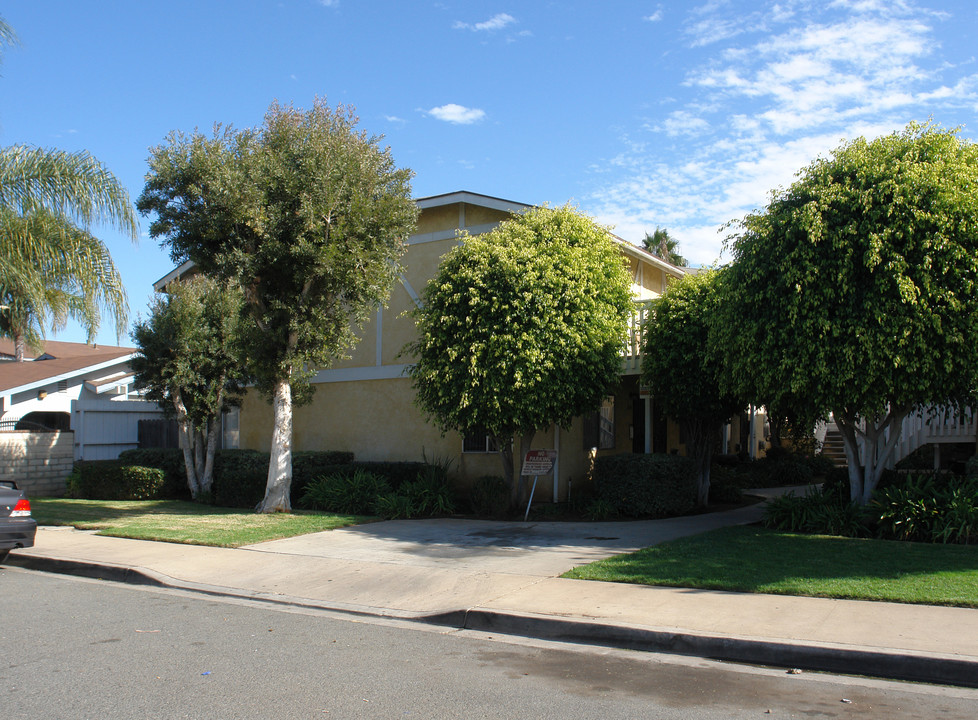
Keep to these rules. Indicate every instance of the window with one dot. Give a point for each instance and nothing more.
(479, 442)
(599, 426)
(229, 428)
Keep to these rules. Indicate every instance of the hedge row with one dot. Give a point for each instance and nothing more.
(648, 486)
(115, 480)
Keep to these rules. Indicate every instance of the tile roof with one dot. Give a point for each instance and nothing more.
(66, 359)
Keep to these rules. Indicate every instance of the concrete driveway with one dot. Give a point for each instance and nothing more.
(541, 549)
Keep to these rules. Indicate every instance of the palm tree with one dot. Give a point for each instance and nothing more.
(664, 247)
(51, 267)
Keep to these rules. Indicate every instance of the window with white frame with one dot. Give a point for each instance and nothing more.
(479, 441)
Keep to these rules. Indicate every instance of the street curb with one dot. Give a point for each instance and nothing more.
(848, 660)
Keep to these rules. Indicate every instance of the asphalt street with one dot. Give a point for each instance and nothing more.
(77, 648)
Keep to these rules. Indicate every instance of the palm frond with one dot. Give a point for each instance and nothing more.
(73, 184)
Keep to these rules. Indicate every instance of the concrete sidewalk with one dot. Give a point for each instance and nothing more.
(503, 577)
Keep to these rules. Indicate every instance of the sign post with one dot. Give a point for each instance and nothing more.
(537, 463)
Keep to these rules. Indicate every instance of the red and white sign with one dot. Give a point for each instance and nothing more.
(539, 462)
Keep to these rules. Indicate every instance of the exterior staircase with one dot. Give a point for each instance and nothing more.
(833, 447)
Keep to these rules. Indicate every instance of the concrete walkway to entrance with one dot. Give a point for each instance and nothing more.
(504, 577)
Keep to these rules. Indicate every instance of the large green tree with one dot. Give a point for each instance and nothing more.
(522, 327)
(855, 291)
(307, 215)
(51, 266)
(189, 361)
(683, 371)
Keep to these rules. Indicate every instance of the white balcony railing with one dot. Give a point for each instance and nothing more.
(632, 355)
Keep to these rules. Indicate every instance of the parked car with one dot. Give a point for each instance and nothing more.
(17, 527)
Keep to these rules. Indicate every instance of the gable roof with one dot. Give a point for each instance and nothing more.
(62, 360)
(471, 198)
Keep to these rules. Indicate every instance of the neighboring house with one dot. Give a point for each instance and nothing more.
(87, 389)
(365, 404)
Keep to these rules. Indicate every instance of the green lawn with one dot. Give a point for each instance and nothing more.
(182, 522)
(752, 559)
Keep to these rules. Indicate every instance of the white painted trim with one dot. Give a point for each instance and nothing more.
(383, 372)
(411, 292)
(174, 274)
(379, 354)
(10, 392)
(471, 198)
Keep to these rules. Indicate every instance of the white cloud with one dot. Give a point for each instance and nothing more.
(496, 22)
(394, 119)
(776, 87)
(654, 17)
(457, 114)
(330, 3)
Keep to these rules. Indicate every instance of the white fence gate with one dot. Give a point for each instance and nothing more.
(104, 428)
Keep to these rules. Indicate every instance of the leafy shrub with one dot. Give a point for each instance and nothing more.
(394, 473)
(395, 506)
(789, 470)
(638, 485)
(599, 509)
(971, 467)
(929, 508)
(489, 497)
(169, 460)
(307, 465)
(723, 489)
(244, 488)
(348, 493)
(430, 494)
(817, 512)
(115, 480)
(240, 476)
(821, 465)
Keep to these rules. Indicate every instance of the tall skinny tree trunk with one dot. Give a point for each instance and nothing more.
(207, 478)
(189, 444)
(699, 448)
(280, 463)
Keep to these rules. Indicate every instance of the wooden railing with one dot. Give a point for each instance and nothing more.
(632, 353)
(940, 425)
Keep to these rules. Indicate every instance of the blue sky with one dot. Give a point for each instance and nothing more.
(678, 114)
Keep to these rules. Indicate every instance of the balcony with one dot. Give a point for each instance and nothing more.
(632, 352)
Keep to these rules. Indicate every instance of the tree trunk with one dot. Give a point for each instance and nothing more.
(699, 446)
(521, 489)
(280, 463)
(207, 478)
(20, 346)
(189, 443)
(865, 473)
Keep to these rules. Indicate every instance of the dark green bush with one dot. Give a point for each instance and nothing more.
(115, 480)
(489, 497)
(652, 486)
(819, 513)
(971, 467)
(170, 461)
(394, 473)
(240, 476)
(242, 489)
(929, 508)
(723, 490)
(348, 493)
(790, 470)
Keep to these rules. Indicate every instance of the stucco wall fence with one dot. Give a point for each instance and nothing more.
(38, 462)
